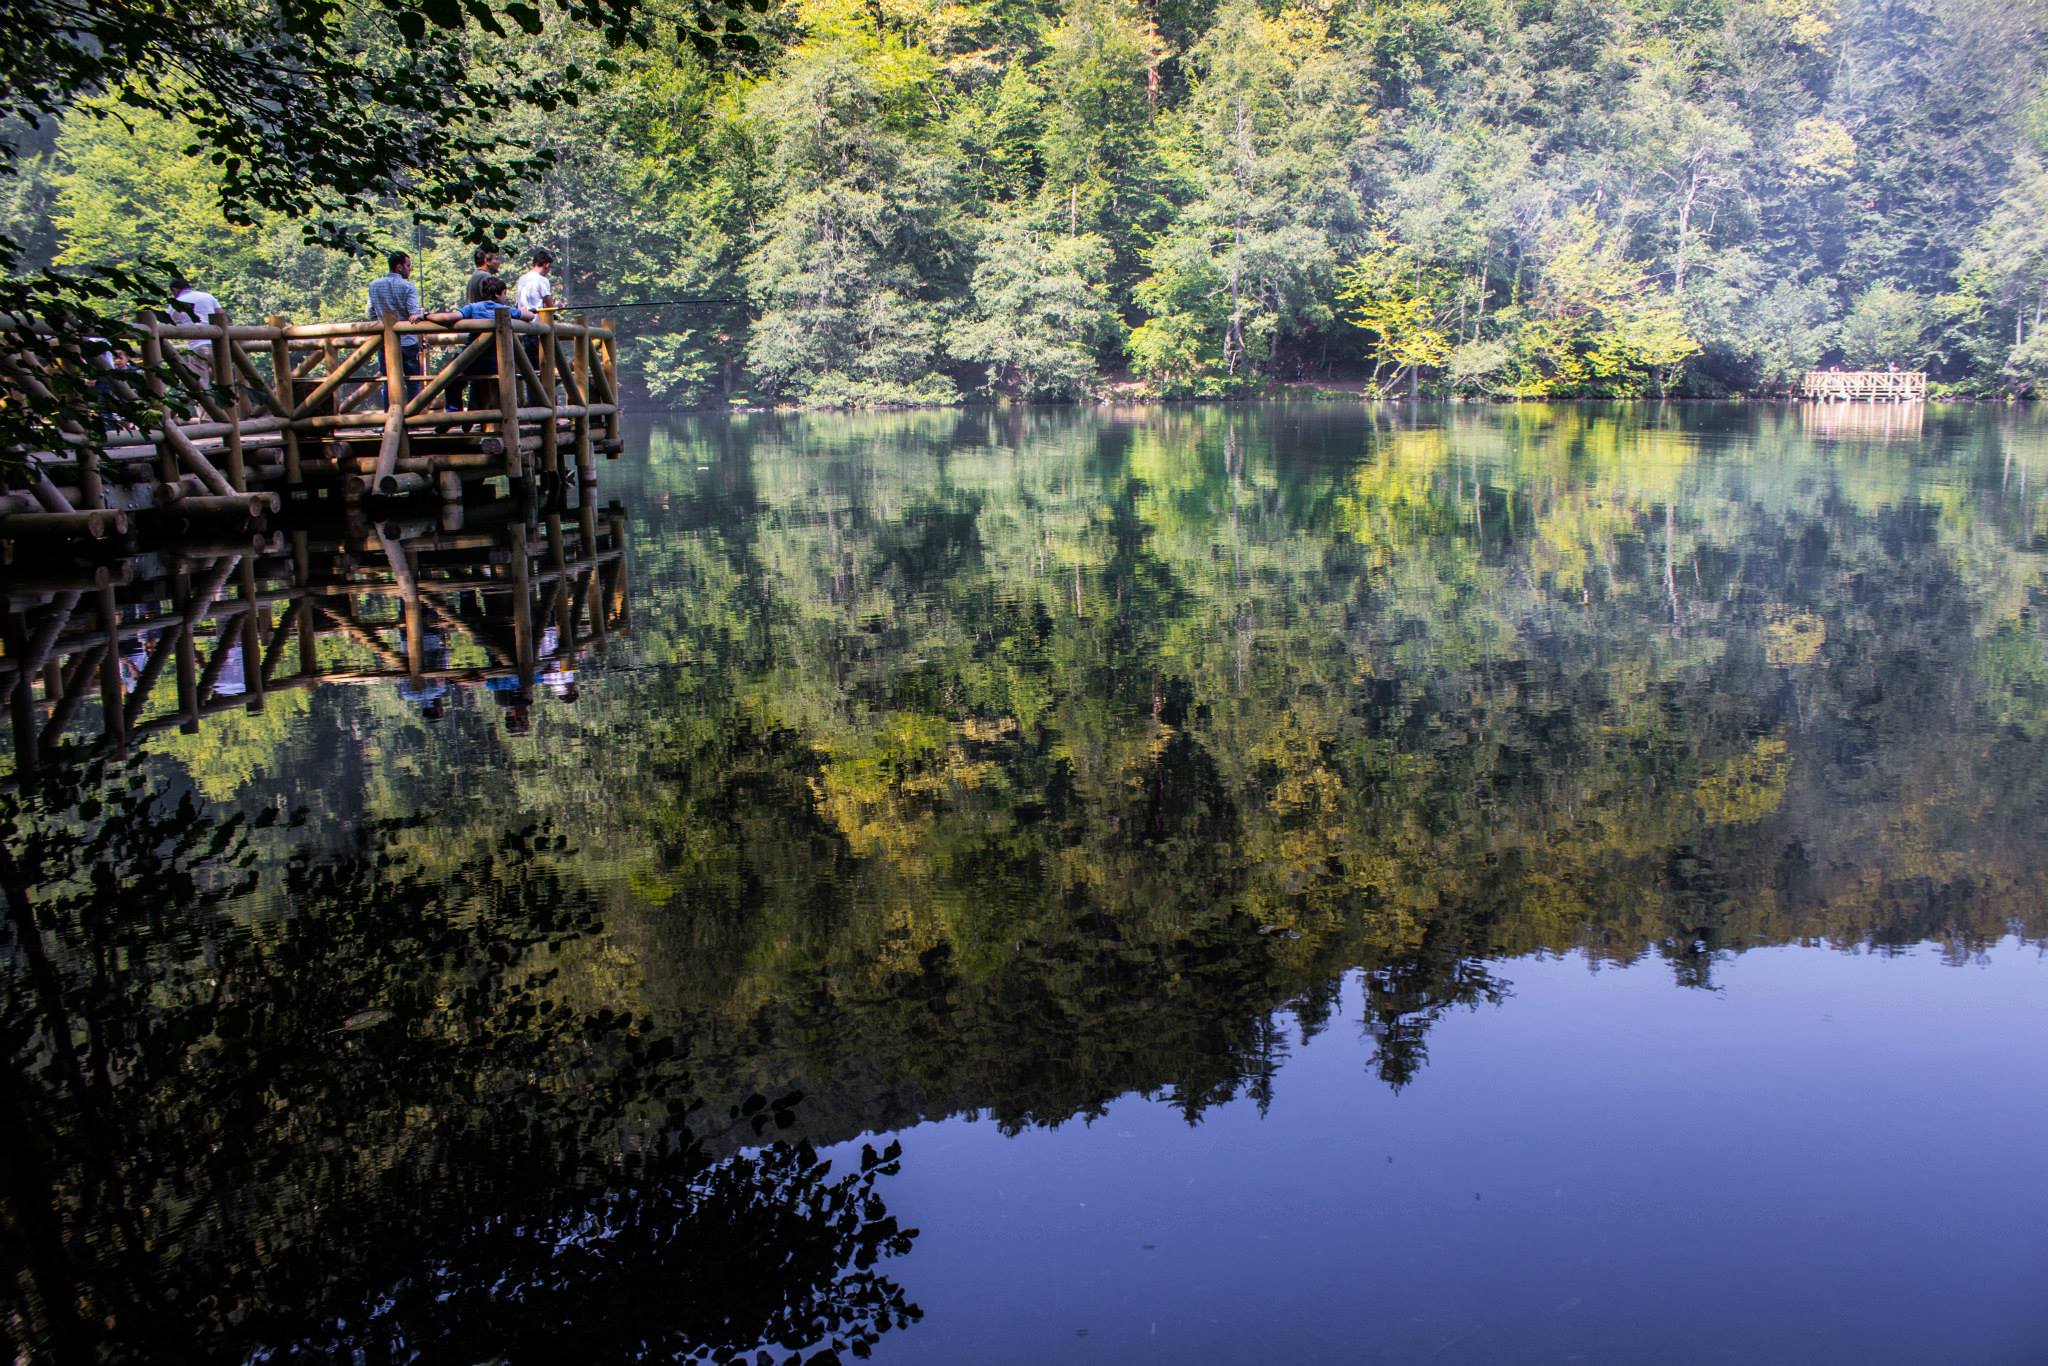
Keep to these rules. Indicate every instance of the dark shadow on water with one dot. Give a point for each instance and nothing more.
(373, 1124)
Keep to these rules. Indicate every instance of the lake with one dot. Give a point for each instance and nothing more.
(1183, 884)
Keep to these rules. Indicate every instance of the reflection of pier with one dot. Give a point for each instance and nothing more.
(1864, 386)
(1885, 421)
(161, 640)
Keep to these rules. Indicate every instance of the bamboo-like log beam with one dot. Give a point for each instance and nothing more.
(448, 374)
(281, 398)
(544, 386)
(257, 386)
(224, 374)
(192, 458)
(337, 376)
(152, 669)
(200, 394)
(97, 524)
(48, 494)
(69, 693)
(206, 331)
(508, 397)
(586, 455)
(250, 505)
(393, 445)
(252, 645)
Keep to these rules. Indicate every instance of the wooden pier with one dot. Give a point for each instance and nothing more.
(99, 657)
(323, 410)
(1864, 386)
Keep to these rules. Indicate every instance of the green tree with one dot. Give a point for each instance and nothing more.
(857, 237)
(1040, 314)
(1886, 326)
(1405, 302)
(1102, 173)
(1260, 142)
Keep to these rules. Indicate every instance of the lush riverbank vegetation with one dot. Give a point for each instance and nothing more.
(920, 201)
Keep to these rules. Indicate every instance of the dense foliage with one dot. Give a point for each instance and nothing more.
(322, 115)
(924, 200)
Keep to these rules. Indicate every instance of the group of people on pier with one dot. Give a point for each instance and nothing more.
(482, 298)
(390, 293)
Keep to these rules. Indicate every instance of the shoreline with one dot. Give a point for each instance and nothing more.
(1327, 397)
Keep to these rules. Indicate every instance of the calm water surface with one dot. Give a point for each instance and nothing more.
(1260, 884)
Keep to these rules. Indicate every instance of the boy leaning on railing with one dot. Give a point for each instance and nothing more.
(480, 376)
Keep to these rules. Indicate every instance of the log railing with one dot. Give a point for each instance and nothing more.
(324, 407)
(1865, 386)
(96, 659)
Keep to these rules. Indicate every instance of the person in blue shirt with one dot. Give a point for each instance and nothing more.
(480, 375)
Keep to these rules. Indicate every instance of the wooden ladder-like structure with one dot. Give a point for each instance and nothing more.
(325, 409)
(98, 658)
(1864, 386)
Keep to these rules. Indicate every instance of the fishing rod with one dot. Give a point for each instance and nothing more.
(661, 303)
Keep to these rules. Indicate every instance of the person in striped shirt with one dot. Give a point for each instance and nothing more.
(394, 292)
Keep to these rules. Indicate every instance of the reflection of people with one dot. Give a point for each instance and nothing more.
(428, 693)
(228, 681)
(560, 680)
(507, 692)
(135, 660)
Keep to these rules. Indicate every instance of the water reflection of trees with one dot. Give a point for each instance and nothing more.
(1014, 763)
(374, 1123)
(1046, 710)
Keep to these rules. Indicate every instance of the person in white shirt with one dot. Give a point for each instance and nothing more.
(535, 288)
(533, 292)
(190, 308)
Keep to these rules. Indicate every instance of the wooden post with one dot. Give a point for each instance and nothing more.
(91, 491)
(252, 639)
(611, 384)
(21, 697)
(394, 446)
(508, 399)
(593, 591)
(408, 584)
(153, 381)
(621, 619)
(113, 716)
(224, 373)
(550, 439)
(188, 658)
(565, 593)
(586, 456)
(282, 389)
(309, 655)
(522, 606)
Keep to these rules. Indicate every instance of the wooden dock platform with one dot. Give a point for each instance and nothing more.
(1864, 386)
(323, 410)
(96, 657)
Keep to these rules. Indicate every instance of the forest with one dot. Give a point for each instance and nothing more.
(939, 201)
